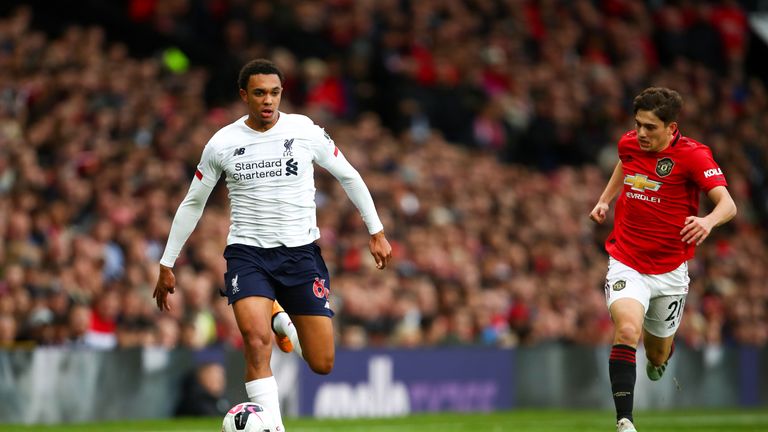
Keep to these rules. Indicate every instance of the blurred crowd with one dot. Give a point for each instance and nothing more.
(485, 130)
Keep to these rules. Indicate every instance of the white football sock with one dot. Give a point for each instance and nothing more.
(284, 327)
(264, 391)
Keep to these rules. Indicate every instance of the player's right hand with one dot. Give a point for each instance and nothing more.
(166, 284)
(599, 213)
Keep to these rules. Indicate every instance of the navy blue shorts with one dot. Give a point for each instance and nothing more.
(294, 276)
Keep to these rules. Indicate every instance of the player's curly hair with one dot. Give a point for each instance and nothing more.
(258, 67)
(665, 103)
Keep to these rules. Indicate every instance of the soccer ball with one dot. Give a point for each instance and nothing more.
(248, 417)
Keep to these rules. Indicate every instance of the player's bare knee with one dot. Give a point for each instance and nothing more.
(627, 333)
(657, 356)
(322, 365)
(257, 341)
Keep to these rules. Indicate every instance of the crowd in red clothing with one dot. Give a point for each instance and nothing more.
(484, 129)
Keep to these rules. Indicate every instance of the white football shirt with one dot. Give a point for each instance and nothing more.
(270, 178)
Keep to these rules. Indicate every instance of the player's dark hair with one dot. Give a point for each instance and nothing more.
(258, 67)
(663, 102)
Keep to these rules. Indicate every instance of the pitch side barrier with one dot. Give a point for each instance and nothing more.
(70, 385)
(381, 383)
(376, 383)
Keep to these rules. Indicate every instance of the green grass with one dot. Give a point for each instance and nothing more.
(517, 421)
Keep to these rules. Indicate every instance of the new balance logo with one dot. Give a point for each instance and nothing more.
(291, 167)
(239, 152)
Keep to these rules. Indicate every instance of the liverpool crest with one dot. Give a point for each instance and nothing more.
(288, 144)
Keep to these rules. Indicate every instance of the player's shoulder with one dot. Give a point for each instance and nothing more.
(629, 135)
(298, 119)
(628, 139)
(687, 143)
(303, 125)
(227, 134)
(689, 146)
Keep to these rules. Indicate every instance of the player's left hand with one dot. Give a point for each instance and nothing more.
(380, 249)
(696, 230)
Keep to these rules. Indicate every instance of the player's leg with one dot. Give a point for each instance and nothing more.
(285, 332)
(253, 315)
(659, 351)
(661, 322)
(310, 336)
(665, 312)
(627, 297)
(627, 315)
(304, 295)
(251, 295)
(316, 335)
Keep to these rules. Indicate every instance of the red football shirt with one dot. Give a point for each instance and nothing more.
(661, 189)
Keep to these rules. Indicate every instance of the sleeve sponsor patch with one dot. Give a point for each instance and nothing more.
(713, 172)
(199, 175)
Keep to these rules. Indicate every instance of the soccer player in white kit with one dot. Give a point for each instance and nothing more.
(267, 157)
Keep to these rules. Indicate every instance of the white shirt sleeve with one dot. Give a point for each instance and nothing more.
(191, 208)
(330, 157)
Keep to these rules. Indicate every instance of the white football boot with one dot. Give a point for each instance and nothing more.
(624, 425)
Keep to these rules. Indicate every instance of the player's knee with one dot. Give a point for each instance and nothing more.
(627, 333)
(258, 342)
(657, 356)
(322, 365)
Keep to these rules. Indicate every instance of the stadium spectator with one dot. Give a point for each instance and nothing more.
(203, 388)
(8, 331)
(79, 320)
(103, 323)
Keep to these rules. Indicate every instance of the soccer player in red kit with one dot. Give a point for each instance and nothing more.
(658, 179)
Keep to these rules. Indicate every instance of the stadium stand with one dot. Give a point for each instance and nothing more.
(485, 130)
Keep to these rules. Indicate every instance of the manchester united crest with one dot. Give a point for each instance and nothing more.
(664, 166)
(619, 285)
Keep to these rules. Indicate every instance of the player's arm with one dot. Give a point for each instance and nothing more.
(360, 196)
(184, 222)
(615, 183)
(352, 182)
(697, 229)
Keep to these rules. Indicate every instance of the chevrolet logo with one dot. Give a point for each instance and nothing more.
(640, 182)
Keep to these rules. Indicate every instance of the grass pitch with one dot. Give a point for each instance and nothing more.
(516, 421)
